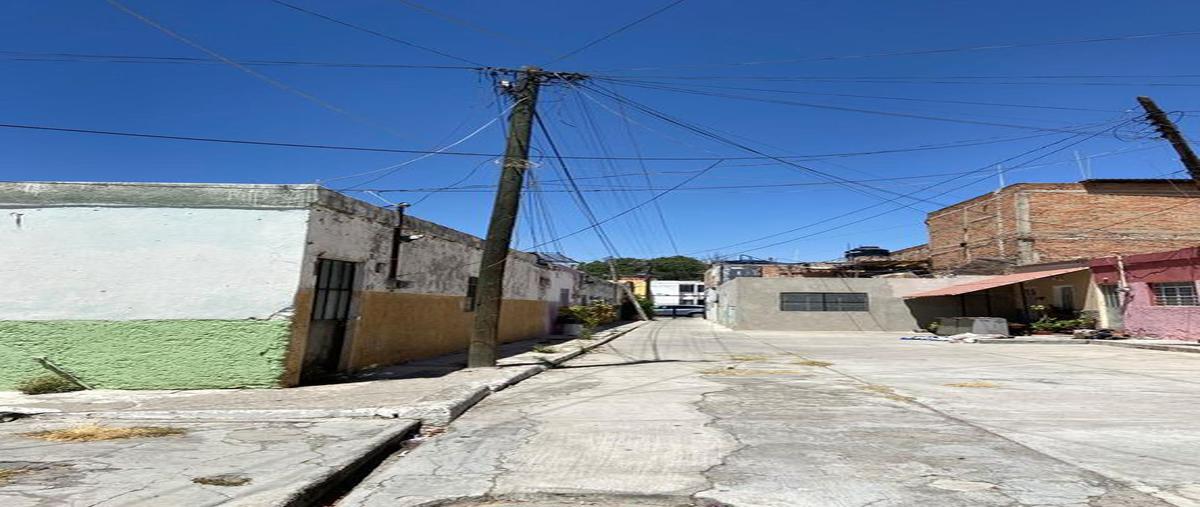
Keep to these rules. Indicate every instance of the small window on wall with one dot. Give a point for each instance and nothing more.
(823, 302)
(1175, 294)
(687, 287)
(472, 289)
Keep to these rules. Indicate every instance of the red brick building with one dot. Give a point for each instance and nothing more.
(1030, 223)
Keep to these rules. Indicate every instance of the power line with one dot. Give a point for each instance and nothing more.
(142, 59)
(987, 168)
(283, 144)
(375, 33)
(386, 171)
(880, 97)
(620, 29)
(253, 73)
(470, 25)
(925, 51)
(848, 109)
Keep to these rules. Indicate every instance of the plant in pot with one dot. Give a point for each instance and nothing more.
(568, 319)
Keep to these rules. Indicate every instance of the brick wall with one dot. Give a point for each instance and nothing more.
(1032, 223)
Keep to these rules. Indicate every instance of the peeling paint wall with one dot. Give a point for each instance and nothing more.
(426, 312)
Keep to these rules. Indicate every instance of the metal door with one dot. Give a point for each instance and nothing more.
(330, 314)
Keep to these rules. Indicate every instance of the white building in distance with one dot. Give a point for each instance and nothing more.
(677, 292)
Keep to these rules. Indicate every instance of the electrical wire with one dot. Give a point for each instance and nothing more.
(389, 170)
(620, 29)
(253, 73)
(375, 33)
(919, 52)
(30, 56)
(473, 26)
(879, 97)
(282, 144)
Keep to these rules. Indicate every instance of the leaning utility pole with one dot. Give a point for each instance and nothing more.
(490, 288)
(1170, 132)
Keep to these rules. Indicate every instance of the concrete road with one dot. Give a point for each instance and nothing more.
(687, 413)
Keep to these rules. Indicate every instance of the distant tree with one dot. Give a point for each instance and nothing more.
(678, 267)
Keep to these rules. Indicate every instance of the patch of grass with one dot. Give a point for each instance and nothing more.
(222, 480)
(544, 349)
(813, 362)
(748, 357)
(982, 384)
(94, 432)
(48, 384)
(887, 392)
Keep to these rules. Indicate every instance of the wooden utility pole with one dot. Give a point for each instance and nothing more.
(1170, 132)
(490, 288)
(612, 269)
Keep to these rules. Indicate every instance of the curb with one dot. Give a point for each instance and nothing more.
(436, 409)
(443, 407)
(1194, 349)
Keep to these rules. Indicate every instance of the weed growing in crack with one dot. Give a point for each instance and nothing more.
(748, 357)
(544, 349)
(223, 480)
(887, 392)
(94, 432)
(982, 384)
(813, 362)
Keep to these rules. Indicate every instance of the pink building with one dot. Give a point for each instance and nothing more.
(1151, 295)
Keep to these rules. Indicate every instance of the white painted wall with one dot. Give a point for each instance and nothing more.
(126, 263)
(666, 292)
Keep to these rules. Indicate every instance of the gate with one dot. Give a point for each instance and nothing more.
(330, 315)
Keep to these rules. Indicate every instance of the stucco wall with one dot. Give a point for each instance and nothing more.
(145, 297)
(126, 263)
(753, 303)
(1144, 319)
(425, 314)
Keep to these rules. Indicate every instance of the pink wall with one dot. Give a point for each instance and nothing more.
(1142, 317)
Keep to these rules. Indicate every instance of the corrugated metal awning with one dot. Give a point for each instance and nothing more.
(988, 283)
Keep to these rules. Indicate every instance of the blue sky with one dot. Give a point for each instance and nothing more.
(674, 63)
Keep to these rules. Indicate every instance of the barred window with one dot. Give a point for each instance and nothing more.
(1175, 294)
(823, 302)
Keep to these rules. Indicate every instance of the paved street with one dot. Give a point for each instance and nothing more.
(686, 413)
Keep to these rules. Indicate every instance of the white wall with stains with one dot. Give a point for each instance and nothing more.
(127, 263)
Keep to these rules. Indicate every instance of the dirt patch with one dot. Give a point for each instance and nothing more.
(748, 357)
(813, 362)
(7, 475)
(978, 384)
(223, 480)
(887, 392)
(94, 432)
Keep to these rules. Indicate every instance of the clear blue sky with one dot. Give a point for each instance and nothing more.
(424, 109)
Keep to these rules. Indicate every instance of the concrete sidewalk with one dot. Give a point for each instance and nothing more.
(245, 446)
(411, 390)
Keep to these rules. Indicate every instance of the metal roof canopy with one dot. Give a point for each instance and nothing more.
(993, 282)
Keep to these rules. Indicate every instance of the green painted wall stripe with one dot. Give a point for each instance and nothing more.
(148, 354)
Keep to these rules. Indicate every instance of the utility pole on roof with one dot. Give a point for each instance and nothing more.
(490, 289)
(1171, 133)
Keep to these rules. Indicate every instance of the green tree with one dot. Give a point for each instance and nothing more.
(677, 267)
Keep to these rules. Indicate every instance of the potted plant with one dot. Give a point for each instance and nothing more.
(568, 319)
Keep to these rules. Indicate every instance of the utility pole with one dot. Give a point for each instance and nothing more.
(490, 288)
(612, 269)
(1171, 133)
